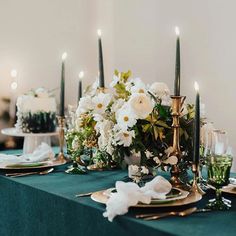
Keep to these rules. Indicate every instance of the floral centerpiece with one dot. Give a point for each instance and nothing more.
(130, 123)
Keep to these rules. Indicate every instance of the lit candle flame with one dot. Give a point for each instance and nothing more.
(81, 74)
(196, 86)
(13, 73)
(177, 30)
(99, 32)
(14, 85)
(64, 56)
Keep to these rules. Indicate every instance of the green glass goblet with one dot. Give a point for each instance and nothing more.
(218, 176)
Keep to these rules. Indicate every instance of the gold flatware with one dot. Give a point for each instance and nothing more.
(140, 216)
(84, 194)
(18, 174)
(172, 213)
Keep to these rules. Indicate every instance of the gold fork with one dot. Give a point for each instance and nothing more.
(171, 213)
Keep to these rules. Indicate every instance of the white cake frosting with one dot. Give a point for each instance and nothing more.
(36, 111)
(38, 101)
(26, 103)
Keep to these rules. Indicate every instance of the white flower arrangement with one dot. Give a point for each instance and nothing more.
(129, 118)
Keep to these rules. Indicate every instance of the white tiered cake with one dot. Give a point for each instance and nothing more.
(36, 112)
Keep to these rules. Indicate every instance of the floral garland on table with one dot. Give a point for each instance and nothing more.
(131, 123)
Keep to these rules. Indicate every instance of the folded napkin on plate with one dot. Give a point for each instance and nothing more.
(129, 194)
(42, 153)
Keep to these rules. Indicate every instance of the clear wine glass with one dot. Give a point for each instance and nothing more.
(206, 142)
(71, 116)
(219, 162)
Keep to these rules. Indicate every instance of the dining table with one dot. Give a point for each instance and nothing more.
(47, 205)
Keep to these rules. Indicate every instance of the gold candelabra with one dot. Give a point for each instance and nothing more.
(177, 102)
(61, 124)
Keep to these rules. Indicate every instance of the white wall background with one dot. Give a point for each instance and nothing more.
(137, 35)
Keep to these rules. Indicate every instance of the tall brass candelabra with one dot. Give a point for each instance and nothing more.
(177, 102)
(61, 124)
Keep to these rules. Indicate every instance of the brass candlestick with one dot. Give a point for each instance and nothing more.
(61, 124)
(177, 102)
(195, 187)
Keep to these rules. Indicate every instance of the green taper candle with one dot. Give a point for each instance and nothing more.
(62, 93)
(100, 61)
(177, 65)
(196, 154)
(81, 75)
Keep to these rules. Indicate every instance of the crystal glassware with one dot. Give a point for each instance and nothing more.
(71, 116)
(219, 162)
(205, 149)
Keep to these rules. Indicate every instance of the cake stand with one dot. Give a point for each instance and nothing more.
(31, 140)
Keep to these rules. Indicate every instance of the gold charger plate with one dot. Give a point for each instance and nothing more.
(35, 166)
(229, 189)
(100, 197)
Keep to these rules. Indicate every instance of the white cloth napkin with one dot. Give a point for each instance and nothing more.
(129, 194)
(42, 153)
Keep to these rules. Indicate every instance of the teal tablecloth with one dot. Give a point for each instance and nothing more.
(46, 205)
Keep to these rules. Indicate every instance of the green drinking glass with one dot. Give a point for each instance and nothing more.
(219, 163)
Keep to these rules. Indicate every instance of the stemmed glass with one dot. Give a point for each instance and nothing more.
(219, 162)
(205, 150)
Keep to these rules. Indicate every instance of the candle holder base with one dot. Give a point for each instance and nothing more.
(61, 157)
(75, 169)
(176, 181)
(196, 188)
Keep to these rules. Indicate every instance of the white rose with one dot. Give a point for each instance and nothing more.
(141, 105)
(160, 90)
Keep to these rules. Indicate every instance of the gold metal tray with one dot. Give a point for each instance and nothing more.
(191, 198)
